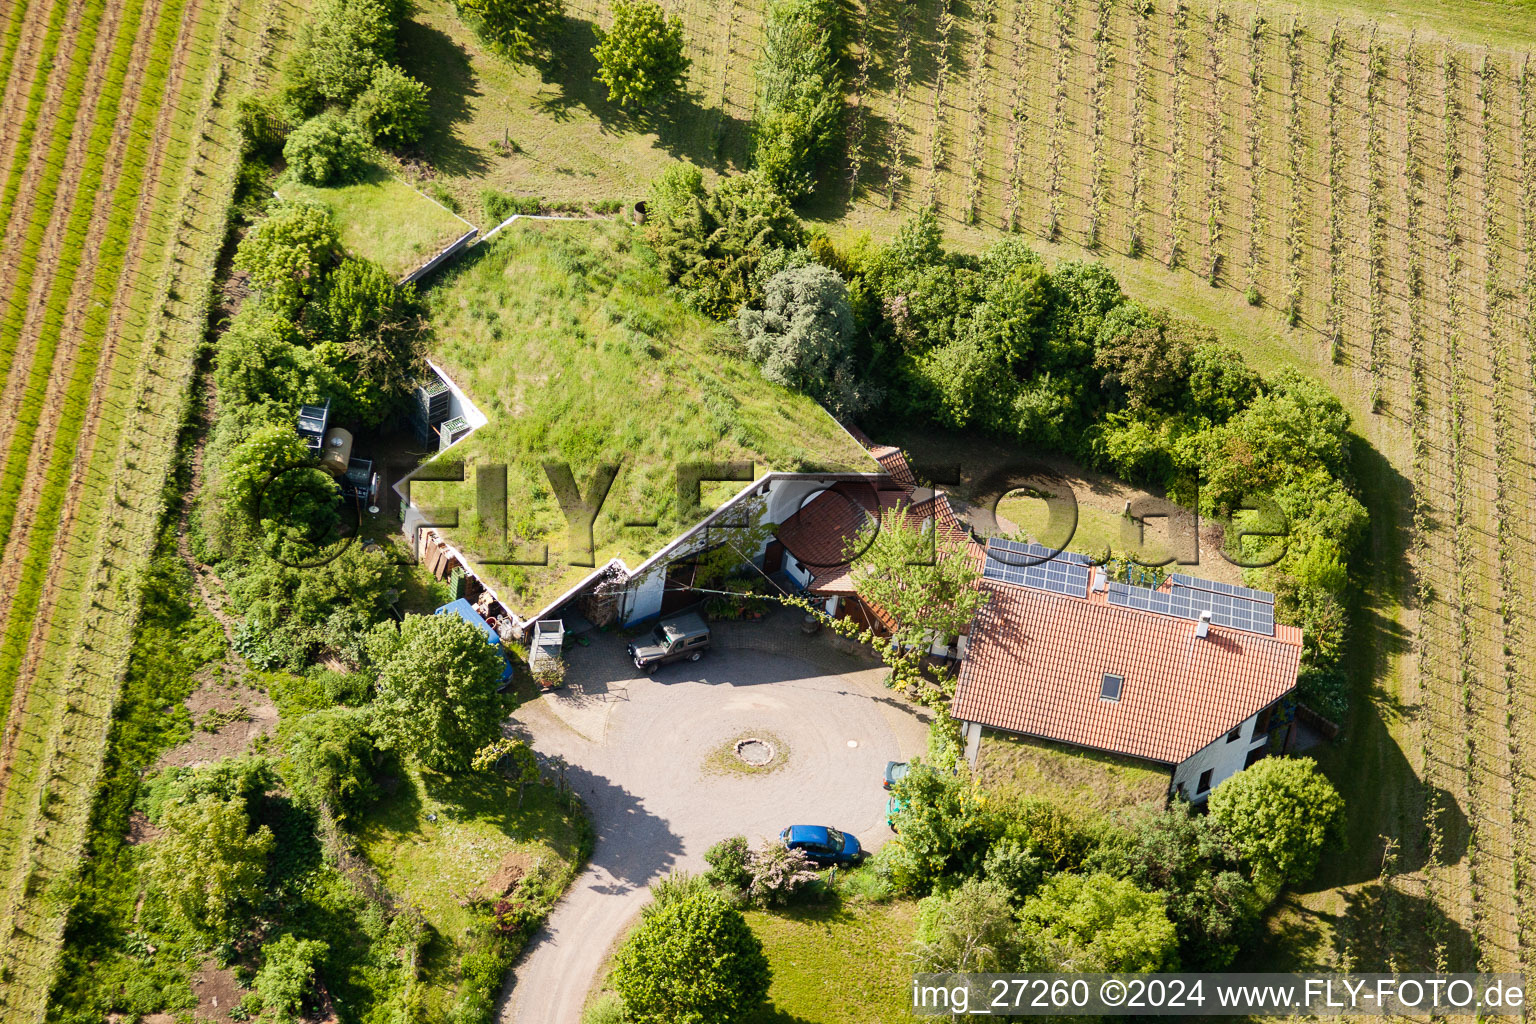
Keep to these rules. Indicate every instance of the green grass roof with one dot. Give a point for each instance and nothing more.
(576, 351)
(382, 218)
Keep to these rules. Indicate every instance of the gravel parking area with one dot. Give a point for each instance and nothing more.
(640, 753)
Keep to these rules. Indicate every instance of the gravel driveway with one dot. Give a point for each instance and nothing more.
(638, 748)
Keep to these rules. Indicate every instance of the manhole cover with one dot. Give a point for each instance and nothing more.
(755, 751)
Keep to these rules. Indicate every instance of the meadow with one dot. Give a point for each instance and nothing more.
(118, 162)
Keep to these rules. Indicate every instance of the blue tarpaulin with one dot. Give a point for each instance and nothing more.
(466, 611)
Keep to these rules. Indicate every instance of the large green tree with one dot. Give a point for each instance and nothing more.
(437, 684)
(709, 244)
(943, 829)
(641, 59)
(208, 861)
(693, 961)
(800, 92)
(288, 252)
(1280, 814)
(1098, 923)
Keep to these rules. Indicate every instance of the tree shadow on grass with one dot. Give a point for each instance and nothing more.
(707, 136)
(432, 56)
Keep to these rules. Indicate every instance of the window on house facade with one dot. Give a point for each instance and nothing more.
(1235, 735)
(1204, 784)
(1110, 688)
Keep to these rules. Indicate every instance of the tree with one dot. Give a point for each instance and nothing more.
(694, 961)
(341, 44)
(518, 29)
(514, 759)
(287, 974)
(208, 861)
(924, 581)
(800, 93)
(1144, 355)
(1097, 923)
(271, 492)
(332, 753)
(287, 253)
(967, 931)
(641, 58)
(1178, 853)
(377, 330)
(709, 244)
(1221, 384)
(1280, 814)
(327, 149)
(802, 338)
(394, 106)
(943, 828)
(437, 697)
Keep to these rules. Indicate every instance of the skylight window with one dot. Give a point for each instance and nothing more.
(1110, 690)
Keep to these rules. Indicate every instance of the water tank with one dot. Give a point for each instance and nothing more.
(336, 451)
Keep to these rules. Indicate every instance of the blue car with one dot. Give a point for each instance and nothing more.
(822, 845)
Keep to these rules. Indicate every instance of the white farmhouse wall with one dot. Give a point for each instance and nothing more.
(642, 599)
(1222, 758)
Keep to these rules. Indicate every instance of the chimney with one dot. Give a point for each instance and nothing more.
(1204, 625)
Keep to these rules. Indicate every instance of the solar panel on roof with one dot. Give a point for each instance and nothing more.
(1216, 587)
(1185, 602)
(1036, 566)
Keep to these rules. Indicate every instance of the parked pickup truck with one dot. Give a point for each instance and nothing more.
(672, 640)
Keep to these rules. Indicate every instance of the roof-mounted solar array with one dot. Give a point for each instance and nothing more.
(1037, 566)
(1255, 614)
(1195, 583)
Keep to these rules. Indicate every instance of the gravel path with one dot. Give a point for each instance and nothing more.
(638, 746)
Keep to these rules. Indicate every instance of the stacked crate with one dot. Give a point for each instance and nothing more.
(431, 403)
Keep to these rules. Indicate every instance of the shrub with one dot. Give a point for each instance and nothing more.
(694, 961)
(971, 929)
(498, 206)
(609, 1009)
(1326, 691)
(393, 107)
(641, 58)
(779, 874)
(945, 829)
(1280, 814)
(518, 29)
(287, 974)
(327, 149)
(332, 756)
(208, 861)
(1097, 923)
(729, 863)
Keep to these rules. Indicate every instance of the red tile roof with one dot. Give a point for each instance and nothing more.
(1037, 661)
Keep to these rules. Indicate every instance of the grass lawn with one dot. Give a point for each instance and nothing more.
(839, 963)
(576, 352)
(437, 842)
(1076, 779)
(384, 219)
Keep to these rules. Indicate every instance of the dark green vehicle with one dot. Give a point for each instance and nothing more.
(686, 636)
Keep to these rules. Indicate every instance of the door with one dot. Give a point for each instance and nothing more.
(678, 592)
